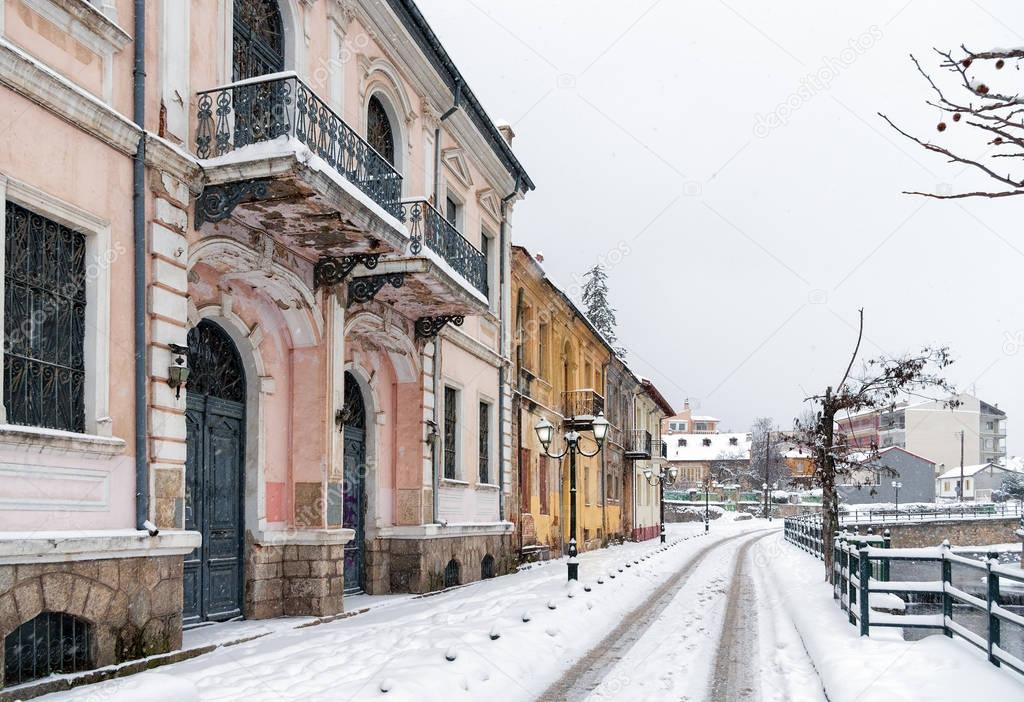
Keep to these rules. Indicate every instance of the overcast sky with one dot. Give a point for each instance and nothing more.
(738, 246)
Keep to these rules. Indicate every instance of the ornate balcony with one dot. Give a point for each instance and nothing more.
(427, 226)
(659, 450)
(638, 444)
(278, 158)
(579, 407)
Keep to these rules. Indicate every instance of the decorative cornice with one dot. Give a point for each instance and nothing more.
(454, 159)
(28, 77)
(83, 22)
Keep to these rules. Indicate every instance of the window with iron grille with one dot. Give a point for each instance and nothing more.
(451, 573)
(44, 322)
(487, 567)
(53, 642)
(451, 436)
(485, 442)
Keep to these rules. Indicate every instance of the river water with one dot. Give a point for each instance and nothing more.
(973, 582)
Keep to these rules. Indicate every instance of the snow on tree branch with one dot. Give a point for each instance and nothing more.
(992, 115)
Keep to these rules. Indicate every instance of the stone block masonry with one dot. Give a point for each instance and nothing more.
(418, 565)
(133, 605)
(959, 532)
(291, 580)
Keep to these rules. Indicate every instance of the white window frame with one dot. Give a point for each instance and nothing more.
(460, 207)
(99, 258)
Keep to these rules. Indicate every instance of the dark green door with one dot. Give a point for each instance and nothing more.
(214, 477)
(354, 500)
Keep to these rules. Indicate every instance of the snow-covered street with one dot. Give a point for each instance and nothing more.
(734, 615)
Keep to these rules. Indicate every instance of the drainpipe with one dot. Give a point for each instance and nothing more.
(435, 455)
(456, 104)
(139, 262)
(503, 236)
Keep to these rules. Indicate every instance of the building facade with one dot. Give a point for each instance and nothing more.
(933, 429)
(648, 451)
(562, 364)
(872, 481)
(309, 211)
(979, 481)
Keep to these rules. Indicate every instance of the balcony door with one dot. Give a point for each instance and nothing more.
(258, 39)
(260, 109)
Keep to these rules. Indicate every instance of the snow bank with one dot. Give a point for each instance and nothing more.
(153, 687)
(882, 667)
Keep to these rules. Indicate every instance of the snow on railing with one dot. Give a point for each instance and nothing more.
(861, 569)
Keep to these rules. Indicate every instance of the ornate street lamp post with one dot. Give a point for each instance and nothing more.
(545, 431)
(660, 479)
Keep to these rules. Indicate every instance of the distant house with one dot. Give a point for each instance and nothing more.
(695, 456)
(872, 480)
(979, 481)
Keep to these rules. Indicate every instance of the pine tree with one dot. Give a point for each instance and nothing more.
(599, 311)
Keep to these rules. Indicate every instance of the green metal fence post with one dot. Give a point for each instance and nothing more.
(865, 588)
(947, 582)
(887, 544)
(993, 601)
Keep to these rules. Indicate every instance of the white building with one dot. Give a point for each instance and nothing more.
(979, 481)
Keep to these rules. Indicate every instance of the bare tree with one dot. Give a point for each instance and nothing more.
(767, 462)
(881, 383)
(973, 101)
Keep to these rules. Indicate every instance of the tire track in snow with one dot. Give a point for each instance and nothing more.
(590, 670)
(736, 676)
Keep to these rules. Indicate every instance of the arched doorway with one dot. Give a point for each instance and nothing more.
(214, 476)
(258, 39)
(354, 503)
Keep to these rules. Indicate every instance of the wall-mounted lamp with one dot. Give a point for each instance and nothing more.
(177, 372)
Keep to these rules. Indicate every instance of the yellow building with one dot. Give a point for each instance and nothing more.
(560, 369)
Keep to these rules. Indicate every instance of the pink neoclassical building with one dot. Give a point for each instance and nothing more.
(255, 300)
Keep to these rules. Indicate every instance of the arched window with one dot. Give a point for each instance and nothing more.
(53, 642)
(379, 133)
(258, 39)
(451, 573)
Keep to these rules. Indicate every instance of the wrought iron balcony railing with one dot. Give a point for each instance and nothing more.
(638, 443)
(428, 226)
(261, 110)
(582, 404)
(659, 449)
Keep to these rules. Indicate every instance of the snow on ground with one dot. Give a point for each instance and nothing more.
(677, 656)
(510, 637)
(879, 668)
(674, 658)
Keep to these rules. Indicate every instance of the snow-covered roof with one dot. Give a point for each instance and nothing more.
(717, 447)
(968, 471)
(704, 418)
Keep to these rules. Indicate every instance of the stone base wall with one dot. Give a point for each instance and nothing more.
(417, 565)
(293, 580)
(959, 532)
(132, 604)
